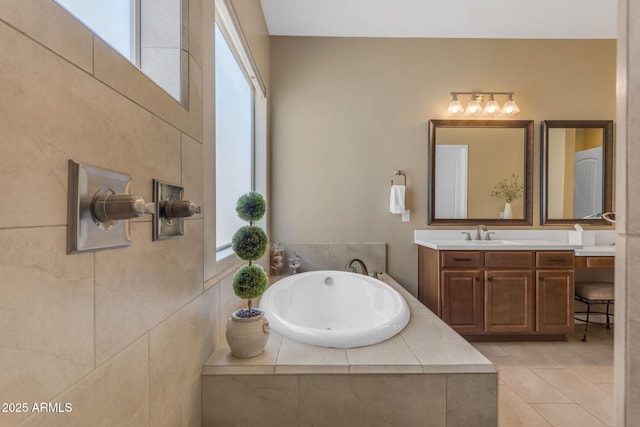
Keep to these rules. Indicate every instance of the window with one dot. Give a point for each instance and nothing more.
(146, 32)
(234, 140)
(114, 21)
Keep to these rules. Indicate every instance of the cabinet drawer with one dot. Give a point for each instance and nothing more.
(595, 262)
(508, 259)
(462, 259)
(554, 259)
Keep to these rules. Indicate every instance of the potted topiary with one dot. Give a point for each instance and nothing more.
(247, 329)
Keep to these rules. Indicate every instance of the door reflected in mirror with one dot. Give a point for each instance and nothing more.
(480, 172)
(577, 171)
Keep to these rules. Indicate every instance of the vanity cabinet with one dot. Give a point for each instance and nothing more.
(463, 300)
(503, 293)
(554, 291)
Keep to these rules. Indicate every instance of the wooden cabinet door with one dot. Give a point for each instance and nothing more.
(554, 301)
(508, 299)
(462, 300)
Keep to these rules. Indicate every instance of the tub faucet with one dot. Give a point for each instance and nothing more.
(363, 267)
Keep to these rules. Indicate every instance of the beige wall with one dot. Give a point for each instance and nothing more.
(347, 112)
(120, 334)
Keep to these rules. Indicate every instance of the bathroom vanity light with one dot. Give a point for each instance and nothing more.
(476, 109)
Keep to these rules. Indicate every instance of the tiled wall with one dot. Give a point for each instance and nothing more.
(334, 256)
(119, 334)
(428, 400)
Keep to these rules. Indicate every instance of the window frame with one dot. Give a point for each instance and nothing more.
(225, 250)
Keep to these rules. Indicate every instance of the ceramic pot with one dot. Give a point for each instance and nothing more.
(508, 212)
(247, 336)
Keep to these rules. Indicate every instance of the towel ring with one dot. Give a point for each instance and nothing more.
(397, 172)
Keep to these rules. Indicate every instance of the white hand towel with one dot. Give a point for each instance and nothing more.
(396, 200)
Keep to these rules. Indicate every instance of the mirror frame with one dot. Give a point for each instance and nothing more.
(607, 170)
(527, 126)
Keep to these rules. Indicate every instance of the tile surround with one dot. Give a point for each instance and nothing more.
(47, 316)
(409, 400)
(352, 381)
(139, 286)
(116, 393)
(121, 334)
(178, 347)
(334, 256)
(52, 26)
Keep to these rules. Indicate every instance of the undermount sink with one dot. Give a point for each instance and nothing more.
(493, 242)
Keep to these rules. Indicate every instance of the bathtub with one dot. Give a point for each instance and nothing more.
(334, 309)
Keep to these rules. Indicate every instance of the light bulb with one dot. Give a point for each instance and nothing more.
(455, 106)
(510, 107)
(492, 108)
(474, 107)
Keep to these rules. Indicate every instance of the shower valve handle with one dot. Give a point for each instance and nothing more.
(171, 209)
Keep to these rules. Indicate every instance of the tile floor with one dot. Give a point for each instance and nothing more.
(555, 383)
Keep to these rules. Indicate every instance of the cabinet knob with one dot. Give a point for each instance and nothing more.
(489, 279)
(541, 279)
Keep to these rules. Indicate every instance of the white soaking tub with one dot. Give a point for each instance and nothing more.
(334, 309)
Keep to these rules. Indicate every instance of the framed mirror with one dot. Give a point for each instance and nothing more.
(480, 172)
(576, 176)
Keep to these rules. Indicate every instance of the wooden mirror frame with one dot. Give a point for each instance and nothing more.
(607, 168)
(527, 126)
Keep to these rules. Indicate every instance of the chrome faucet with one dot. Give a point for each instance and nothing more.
(479, 230)
(363, 267)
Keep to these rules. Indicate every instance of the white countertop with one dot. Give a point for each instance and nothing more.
(496, 245)
(608, 250)
(584, 243)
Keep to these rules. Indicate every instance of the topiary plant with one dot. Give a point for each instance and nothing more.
(250, 243)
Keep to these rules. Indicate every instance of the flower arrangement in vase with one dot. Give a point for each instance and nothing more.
(509, 189)
(247, 329)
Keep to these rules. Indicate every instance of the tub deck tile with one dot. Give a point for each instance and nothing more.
(425, 346)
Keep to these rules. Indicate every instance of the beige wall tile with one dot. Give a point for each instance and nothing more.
(196, 17)
(221, 362)
(196, 105)
(118, 73)
(390, 400)
(192, 165)
(78, 118)
(438, 354)
(296, 353)
(187, 410)
(139, 286)
(374, 255)
(114, 394)
(237, 401)
(47, 315)
(472, 400)
(50, 24)
(393, 351)
(178, 349)
(314, 256)
(55, 107)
